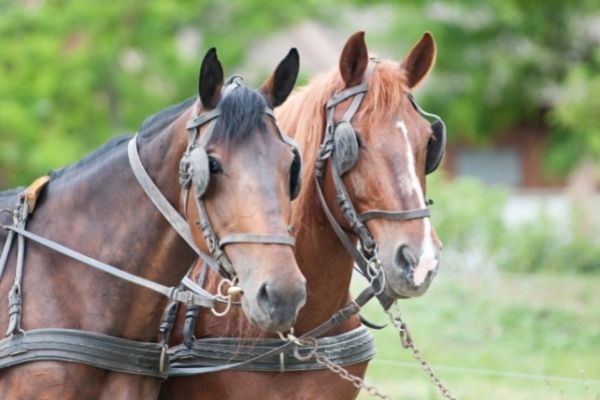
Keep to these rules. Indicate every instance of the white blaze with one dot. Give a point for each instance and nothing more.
(411, 184)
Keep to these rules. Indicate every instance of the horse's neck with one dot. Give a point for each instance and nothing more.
(326, 265)
(321, 256)
(104, 213)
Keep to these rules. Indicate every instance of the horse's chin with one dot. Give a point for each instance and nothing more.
(400, 285)
(261, 320)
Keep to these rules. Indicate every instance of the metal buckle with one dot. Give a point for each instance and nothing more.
(164, 356)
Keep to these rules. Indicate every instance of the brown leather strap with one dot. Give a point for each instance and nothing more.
(33, 192)
(257, 238)
(90, 348)
(395, 215)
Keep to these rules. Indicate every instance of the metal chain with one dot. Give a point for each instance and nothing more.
(358, 382)
(322, 360)
(407, 343)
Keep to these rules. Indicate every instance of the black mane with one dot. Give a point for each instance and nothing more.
(241, 114)
(108, 147)
(158, 122)
(10, 192)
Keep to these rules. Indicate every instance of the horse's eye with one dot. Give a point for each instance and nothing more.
(213, 166)
(359, 140)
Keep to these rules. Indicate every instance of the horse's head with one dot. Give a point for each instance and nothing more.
(243, 174)
(383, 153)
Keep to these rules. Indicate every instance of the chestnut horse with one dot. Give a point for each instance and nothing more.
(389, 174)
(98, 208)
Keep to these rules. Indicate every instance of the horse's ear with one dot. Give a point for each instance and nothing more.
(354, 59)
(420, 60)
(210, 80)
(279, 85)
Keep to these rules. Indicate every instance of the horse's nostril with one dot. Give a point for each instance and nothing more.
(264, 299)
(405, 258)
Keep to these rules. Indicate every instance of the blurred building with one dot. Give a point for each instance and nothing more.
(515, 159)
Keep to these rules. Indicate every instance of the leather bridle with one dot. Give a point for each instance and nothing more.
(218, 260)
(365, 256)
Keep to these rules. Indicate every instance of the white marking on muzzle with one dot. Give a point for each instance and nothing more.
(427, 260)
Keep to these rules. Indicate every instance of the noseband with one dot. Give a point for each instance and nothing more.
(341, 146)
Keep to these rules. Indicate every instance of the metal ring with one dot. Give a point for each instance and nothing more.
(383, 282)
(225, 311)
(286, 337)
(373, 268)
(7, 211)
(312, 352)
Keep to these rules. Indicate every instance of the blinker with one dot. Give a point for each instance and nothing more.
(437, 144)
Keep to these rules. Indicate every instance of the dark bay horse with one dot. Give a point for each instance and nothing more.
(97, 208)
(396, 149)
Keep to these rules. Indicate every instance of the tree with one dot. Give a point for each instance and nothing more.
(73, 73)
(502, 63)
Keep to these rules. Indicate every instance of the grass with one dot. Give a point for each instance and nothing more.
(490, 337)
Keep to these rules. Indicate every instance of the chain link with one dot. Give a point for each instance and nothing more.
(353, 379)
(359, 383)
(407, 343)
(322, 360)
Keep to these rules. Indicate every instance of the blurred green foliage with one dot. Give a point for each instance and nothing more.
(476, 232)
(506, 63)
(489, 330)
(73, 73)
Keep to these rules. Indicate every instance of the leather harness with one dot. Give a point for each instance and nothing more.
(196, 356)
(92, 348)
(205, 355)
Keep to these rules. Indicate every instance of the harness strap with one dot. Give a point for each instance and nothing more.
(223, 265)
(90, 348)
(191, 314)
(32, 193)
(342, 315)
(5, 252)
(168, 320)
(194, 287)
(348, 348)
(395, 215)
(20, 214)
(163, 205)
(203, 118)
(378, 283)
(340, 96)
(172, 293)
